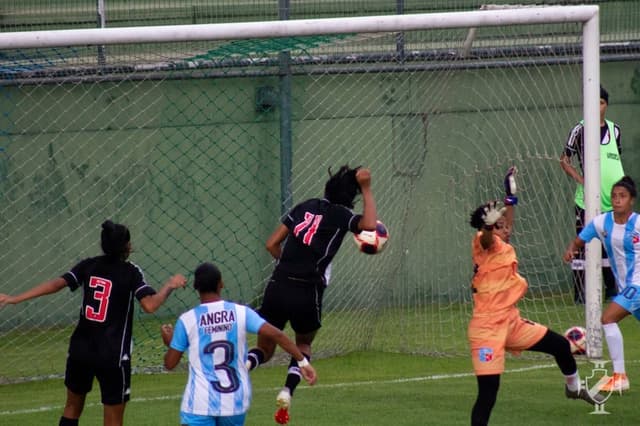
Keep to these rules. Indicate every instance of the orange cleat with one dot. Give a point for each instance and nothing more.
(618, 383)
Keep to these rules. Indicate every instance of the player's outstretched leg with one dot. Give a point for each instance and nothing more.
(293, 374)
(255, 358)
(554, 344)
(261, 353)
(583, 394)
(72, 409)
(619, 382)
(283, 400)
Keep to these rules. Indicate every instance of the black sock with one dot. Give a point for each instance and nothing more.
(294, 376)
(67, 422)
(487, 393)
(554, 344)
(255, 358)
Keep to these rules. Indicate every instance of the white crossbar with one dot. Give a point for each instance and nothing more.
(302, 27)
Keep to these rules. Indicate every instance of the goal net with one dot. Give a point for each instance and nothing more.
(199, 145)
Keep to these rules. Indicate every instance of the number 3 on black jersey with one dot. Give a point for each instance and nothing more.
(310, 226)
(101, 293)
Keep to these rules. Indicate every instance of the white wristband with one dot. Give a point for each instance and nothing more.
(303, 363)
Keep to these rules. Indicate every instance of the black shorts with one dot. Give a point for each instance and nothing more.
(115, 382)
(296, 300)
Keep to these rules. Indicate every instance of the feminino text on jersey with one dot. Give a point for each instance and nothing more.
(214, 322)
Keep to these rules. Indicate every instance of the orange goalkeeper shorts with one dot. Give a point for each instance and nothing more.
(492, 335)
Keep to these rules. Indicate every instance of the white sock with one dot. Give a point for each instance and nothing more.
(573, 381)
(615, 344)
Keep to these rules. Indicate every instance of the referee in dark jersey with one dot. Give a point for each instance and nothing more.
(100, 346)
(312, 233)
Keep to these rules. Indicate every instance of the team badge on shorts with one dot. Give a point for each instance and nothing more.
(485, 354)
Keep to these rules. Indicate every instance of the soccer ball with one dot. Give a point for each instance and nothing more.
(372, 242)
(577, 337)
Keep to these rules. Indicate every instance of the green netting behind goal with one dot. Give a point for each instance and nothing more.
(185, 142)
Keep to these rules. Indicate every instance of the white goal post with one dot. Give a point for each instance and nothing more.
(588, 16)
(303, 27)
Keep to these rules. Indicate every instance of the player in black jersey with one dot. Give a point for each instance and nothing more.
(100, 345)
(312, 233)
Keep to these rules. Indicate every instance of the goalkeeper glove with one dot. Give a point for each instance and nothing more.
(491, 214)
(510, 187)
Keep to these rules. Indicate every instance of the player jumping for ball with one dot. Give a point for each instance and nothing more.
(496, 325)
(304, 245)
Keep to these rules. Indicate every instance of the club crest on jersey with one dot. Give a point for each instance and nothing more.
(635, 238)
(485, 354)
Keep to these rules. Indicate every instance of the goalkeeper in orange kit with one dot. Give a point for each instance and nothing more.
(496, 325)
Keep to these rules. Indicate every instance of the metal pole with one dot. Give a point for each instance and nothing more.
(286, 149)
(102, 23)
(400, 35)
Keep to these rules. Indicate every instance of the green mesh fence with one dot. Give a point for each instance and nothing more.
(185, 142)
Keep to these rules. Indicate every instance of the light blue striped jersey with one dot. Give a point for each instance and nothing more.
(215, 335)
(622, 243)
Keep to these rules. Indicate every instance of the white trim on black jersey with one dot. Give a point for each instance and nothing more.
(124, 332)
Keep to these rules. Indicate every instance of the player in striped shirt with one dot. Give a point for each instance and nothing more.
(619, 231)
(496, 326)
(218, 390)
(100, 346)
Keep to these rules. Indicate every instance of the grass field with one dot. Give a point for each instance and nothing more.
(364, 388)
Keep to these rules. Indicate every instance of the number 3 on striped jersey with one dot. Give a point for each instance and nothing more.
(311, 224)
(223, 365)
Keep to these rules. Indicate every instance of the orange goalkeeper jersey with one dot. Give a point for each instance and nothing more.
(496, 283)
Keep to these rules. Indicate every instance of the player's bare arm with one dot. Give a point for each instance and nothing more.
(151, 303)
(567, 167)
(573, 248)
(369, 211)
(274, 242)
(47, 287)
(510, 201)
(486, 238)
(171, 357)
